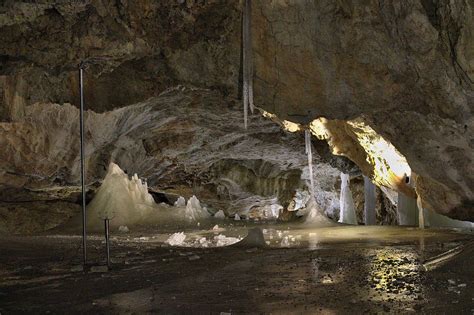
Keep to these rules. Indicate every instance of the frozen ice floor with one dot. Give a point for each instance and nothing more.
(335, 270)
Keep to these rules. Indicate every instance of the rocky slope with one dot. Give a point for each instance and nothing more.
(400, 72)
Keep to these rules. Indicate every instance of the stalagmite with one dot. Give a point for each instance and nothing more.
(125, 201)
(219, 215)
(307, 138)
(347, 208)
(369, 205)
(194, 211)
(247, 66)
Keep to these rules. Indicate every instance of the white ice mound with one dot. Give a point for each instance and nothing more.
(219, 215)
(181, 202)
(194, 211)
(125, 201)
(316, 215)
(176, 239)
(222, 240)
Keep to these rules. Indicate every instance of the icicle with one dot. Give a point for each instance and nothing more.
(347, 208)
(307, 138)
(369, 204)
(247, 67)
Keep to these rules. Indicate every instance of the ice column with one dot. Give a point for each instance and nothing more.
(406, 208)
(307, 140)
(347, 208)
(421, 213)
(369, 204)
(247, 67)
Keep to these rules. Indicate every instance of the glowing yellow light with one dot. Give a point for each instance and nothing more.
(389, 164)
(286, 124)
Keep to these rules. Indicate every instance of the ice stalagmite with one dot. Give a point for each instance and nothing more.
(125, 201)
(247, 66)
(194, 211)
(307, 138)
(347, 211)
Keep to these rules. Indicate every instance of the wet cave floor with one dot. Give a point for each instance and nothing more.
(347, 270)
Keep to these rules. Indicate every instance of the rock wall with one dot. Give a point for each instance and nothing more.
(136, 50)
(187, 141)
(405, 68)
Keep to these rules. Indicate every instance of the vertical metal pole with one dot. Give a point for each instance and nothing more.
(83, 171)
(107, 245)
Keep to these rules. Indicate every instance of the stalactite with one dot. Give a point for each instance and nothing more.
(347, 208)
(247, 66)
(369, 204)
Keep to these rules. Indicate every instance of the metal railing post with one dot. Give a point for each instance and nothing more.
(83, 172)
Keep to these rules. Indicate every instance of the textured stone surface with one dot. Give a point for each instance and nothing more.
(404, 67)
(138, 49)
(185, 142)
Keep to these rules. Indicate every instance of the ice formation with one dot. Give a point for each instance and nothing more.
(347, 208)
(285, 242)
(247, 68)
(125, 201)
(421, 213)
(272, 211)
(433, 219)
(180, 202)
(222, 240)
(369, 204)
(194, 211)
(300, 199)
(407, 210)
(176, 239)
(315, 215)
(183, 240)
(219, 215)
(123, 229)
(307, 138)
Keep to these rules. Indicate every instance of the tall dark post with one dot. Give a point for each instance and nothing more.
(83, 171)
(107, 243)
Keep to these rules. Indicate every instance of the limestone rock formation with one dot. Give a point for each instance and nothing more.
(186, 142)
(403, 69)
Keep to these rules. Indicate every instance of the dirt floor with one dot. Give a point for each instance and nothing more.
(43, 274)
